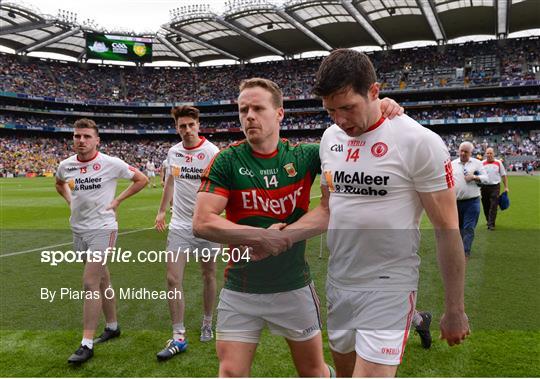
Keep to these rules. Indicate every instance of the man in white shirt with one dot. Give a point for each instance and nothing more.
(151, 173)
(492, 187)
(186, 162)
(468, 174)
(378, 175)
(87, 181)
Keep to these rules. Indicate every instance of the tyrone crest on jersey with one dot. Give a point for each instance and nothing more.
(291, 171)
(379, 149)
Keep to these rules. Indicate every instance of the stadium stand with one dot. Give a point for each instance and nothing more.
(41, 155)
(477, 64)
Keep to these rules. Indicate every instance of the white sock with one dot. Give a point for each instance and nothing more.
(179, 331)
(88, 342)
(207, 320)
(112, 325)
(417, 319)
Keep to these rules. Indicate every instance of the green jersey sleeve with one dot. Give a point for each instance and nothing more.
(216, 177)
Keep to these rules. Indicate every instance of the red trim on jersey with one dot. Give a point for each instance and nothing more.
(494, 162)
(196, 146)
(205, 187)
(206, 171)
(408, 325)
(317, 303)
(262, 201)
(376, 125)
(91, 159)
(449, 174)
(264, 156)
(112, 239)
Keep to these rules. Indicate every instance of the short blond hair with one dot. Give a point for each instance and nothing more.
(270, 86)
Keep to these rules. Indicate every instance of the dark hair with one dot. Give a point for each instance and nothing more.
(344, 68)
(270, 86)
(185, 111)
(86, 123)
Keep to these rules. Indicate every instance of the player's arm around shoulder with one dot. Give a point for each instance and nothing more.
(441, 209)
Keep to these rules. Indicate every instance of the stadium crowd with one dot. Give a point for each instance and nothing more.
(292, 120)
(470, 64)
(41, 155)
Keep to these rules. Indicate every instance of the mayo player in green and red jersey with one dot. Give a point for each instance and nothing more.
(263, 183)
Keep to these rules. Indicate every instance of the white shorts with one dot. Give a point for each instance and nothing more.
(294, 315)
(183, 239)
(150, 174)
(96, 241)
(375, 324)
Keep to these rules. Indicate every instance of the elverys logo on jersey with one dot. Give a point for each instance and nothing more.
(357, 183)
(258, 200)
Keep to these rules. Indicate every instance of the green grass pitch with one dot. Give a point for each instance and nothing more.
(36, 337)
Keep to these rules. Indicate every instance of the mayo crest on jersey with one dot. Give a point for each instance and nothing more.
(375, 209)
(93, 187)
(186, 165)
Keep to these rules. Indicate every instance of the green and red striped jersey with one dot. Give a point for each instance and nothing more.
(263, 190)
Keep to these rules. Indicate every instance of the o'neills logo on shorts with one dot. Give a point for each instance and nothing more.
(390, 350)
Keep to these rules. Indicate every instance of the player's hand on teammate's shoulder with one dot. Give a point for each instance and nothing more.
(454, 327)
(390, 108)
(160, 224)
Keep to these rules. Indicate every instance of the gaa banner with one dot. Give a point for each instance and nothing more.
(118, 48)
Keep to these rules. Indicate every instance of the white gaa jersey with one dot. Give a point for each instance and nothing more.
(375, 210)
(93, 187)
(494, 170)
(186, 166)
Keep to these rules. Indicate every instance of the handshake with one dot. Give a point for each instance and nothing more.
(270, 242)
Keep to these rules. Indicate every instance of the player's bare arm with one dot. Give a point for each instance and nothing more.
(139, 181)
(312, 223)
(441, 209)
(63, 189)
(390, 108)
(208, 224)
(166, 198)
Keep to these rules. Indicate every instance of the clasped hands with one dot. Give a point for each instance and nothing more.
(272, 241)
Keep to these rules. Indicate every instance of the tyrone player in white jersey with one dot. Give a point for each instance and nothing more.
(378, 176)
(186, 162)
(87, 181)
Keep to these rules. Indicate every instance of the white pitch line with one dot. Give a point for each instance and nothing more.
(63, 244)
(69, 243)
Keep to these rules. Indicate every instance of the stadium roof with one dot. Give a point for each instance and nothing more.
(255, 28)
